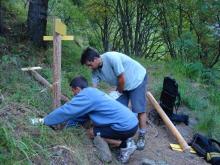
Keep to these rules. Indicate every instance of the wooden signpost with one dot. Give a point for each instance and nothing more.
(59, 34)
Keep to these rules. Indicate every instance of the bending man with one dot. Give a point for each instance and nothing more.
(128, 75)
(112, 120)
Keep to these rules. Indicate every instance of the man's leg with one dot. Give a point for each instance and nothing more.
(142, 117)
(120, 139)
(139, 104)
(113, 142)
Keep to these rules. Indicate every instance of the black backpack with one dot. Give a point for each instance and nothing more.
(207, 148)
(170, 99)
(170, 96)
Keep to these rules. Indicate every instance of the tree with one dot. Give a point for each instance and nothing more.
(138, 28)
(101, 20)
(37, 21)
(1, 17)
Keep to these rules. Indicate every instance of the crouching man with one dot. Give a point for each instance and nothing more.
(111, 120)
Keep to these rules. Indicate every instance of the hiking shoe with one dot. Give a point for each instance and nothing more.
(125, 153)
(140, 142)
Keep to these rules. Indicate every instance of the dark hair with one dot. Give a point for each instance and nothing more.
(79, 81)
(89, 54)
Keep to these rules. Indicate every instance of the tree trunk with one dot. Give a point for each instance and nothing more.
(180, 29)
(105, 35)
(124, 28)
(1, 17)
(166, 28)
(37, 21)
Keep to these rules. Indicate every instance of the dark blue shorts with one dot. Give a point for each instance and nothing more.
(108, 132)
(137, 97)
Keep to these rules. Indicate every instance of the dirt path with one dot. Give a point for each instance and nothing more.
(157, 148)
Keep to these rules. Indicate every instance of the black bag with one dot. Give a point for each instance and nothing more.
(170, 99)
(207, 148)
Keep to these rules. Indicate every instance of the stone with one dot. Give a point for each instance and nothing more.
(103, 151)
(147, 161)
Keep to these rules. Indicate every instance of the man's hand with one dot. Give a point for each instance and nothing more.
(37, 121)
(115, 94)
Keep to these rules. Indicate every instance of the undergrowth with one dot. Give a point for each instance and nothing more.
(199, 89)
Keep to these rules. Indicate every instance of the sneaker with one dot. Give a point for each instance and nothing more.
(125, 153)
(140, 142)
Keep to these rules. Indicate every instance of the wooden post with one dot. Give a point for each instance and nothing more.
(56, 70)
(59, 34)
(168, 123)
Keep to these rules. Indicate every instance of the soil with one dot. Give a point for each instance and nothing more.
(157, 148)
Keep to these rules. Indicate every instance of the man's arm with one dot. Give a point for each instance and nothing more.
(77, 107)
(121, 83)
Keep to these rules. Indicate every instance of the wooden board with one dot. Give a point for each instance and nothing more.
(50, 38)
(177, 147)
(60, 27)
(31, 68)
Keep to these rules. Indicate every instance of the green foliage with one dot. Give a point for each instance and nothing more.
(194, 70)
(199, 86)
(70, 14)
(208, 121)
(17, 10)
(208, 77)
(2, 40)
(188, 45)
(6, 146)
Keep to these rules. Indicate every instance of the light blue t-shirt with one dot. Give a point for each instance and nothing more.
(101, 109)
(114, 64)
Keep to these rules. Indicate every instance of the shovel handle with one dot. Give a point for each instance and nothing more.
(168, 123)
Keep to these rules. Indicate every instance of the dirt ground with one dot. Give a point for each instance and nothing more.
(158, 140)
(157, 148)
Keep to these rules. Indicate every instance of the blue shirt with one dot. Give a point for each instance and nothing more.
(114, 64)
(101, 109)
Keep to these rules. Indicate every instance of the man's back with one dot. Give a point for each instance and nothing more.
(104, 110)
(114, 64)
(101, 108)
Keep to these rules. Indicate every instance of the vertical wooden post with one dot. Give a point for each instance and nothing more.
(56, 70)
(59, 34)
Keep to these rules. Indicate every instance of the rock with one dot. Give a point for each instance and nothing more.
(148, 162)
(153, 162)
(103, 151)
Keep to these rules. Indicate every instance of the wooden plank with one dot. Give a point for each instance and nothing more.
(60, 27)
(177, 147)
(31, 68)
(67, 37)
(168, 123)
(44, 82)
(50, 38)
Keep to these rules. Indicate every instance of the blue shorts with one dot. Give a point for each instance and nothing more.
(137, 97)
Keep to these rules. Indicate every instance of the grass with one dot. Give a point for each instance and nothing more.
(198, 87)
(17, 86)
